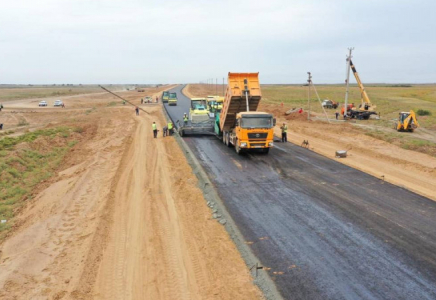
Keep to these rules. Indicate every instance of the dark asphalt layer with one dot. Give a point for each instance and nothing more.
(327, 231)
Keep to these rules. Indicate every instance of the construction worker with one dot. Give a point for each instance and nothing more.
(154, 126)
(142, 101)
(137, 111)
(185, 119)
(124, 102)
(284, 129)
(165, 131)
(170, 128)
(337, 115)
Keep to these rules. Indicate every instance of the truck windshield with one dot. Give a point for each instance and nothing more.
(257, 122)
(173, 95)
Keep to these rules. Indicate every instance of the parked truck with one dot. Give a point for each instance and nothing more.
(239, 124)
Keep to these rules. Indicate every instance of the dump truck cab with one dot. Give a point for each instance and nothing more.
(172, 99)
(238, 123)
(198, 111)
(165, 96)
(253, 130)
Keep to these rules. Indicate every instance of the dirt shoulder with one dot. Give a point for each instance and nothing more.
(409, 169)
(123, 218)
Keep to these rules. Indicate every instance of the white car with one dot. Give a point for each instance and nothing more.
(42, 103)
(58, 103)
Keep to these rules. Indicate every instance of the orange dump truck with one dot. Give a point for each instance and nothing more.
(239, 123)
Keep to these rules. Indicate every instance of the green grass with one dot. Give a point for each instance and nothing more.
(389, 100)
(9, 142)
(22, 170)
(423, 112)
(405, 140)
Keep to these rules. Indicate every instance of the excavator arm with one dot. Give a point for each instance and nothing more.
(407, 121)
(411, 120)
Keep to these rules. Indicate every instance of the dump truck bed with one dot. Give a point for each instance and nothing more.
(235, 102)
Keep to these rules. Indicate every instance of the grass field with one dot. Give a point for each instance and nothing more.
(390, 100)
(26, 161)
(25, 92)
(16, 92)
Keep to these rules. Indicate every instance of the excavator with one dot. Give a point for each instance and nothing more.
(366, 108)
(407, 121)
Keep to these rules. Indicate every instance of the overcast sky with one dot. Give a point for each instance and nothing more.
(133, 41)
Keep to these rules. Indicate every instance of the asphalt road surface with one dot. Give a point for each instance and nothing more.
(323, 230)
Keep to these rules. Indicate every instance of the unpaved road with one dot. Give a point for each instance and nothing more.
(123, 219)
(322, 229)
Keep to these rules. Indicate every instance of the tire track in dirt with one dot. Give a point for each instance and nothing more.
(60, 238)
(156, 253)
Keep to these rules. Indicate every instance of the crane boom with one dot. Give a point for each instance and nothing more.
(363, 94)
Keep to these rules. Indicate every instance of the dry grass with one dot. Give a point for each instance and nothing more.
(25, 92)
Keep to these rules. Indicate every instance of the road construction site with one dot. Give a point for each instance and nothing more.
(127, 216)
(122, 218)
(320, 229)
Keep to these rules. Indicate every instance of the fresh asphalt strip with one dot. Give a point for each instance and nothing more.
(320, 229)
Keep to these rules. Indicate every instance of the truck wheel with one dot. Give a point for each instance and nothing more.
(228, 140)
(181, 133)
(224, 138)
(237, 148)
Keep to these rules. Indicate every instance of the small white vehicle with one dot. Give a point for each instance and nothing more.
(58, 103)
(42, 103)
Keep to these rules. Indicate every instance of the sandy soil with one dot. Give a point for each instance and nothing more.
(123, 219)
(410, 169)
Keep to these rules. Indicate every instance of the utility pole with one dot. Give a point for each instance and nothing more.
(309, 81)
(347, 81)
(216, 86)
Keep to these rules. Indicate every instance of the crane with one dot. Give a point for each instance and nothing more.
(366, 104)
(366, 108)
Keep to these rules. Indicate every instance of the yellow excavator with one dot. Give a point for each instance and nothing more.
(407, 121)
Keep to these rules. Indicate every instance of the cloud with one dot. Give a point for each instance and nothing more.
(118, 41)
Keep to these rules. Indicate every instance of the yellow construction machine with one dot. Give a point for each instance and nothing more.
(239, 123)
(366, 108)
(406, 121)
